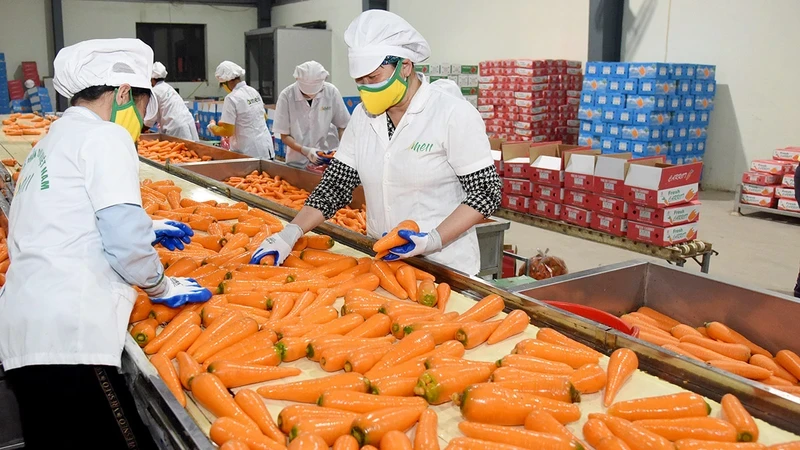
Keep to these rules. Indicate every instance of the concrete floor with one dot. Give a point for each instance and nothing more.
(762, 250)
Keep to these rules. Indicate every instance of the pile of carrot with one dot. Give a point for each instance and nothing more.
(720, 346)
(175, 152)
(26, 124)
(281, 191)
(4, 261)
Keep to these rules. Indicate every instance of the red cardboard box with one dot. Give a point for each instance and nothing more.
(757, 189)
(665, 217)
(576, 216)
(513, 186)
(788, 205)
(515, 202)
(547, 162)
(763, 179)
(609, 224)
(662, 236)
(656, 184)
(546, 209)
(758, 200)
(771, 166)
(609, 174)
(580, 199)
(610, 206)
(516, 159)
(788, 181)
(784, 193)
(497, 154)
(579, 170)
(549, 193)
(787, 154)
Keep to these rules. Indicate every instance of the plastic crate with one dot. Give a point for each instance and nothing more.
(351, 103)
(280, 147)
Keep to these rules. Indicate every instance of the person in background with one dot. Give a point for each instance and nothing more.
(173, 118)
(78, 240)
(419, 148)
(310, 115)
(243, 115)
(797, 197)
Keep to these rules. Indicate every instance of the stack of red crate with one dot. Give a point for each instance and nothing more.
(16, 90)
(530, 100)
(517, 187)
(30, 72)
(546, 173)
(607, 203)
(770, 182)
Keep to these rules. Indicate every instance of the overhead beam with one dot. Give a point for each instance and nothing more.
(197, 2)
(605, 30)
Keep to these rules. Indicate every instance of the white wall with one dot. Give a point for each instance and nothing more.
(225, 28)
(754, 47)
(338, 14)
(25, 35)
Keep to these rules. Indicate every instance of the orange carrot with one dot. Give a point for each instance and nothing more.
(266, 356)
(612, 443)
(426, 437)
(443, 294)
(681, 351)
(703, 428)
(513, 324)
(395, 440)
(226, 320)
(234, 445)
(240, 330)
(309, 441)
(294, 414)
(210, 393)
(695, 444)
(167, 373)
(327, 428)
(554, 337)
(414, 345)
(408, 280)
(395, 386)
(789, 361)
(295, 261)
(646, 334)
(227, 429)
(734, 412)
(334, 359)
(553, 352)
(369, 428)
(770, 364)
(180, 340)
(682, 330)
(234, 375)
(376, 326)
(721, 332)
(184, 317)
(392, 239)
(254, 407)
(663, 326)
(144, 331)
(595, 430)
(263, 339)
(346, 442)
(361, 403)
(514, 374)
(427, 294)
(141, 308)
(742, 369)
(476, 333)
(533, 364)
(684, 404)
(486, 403)
(435, 361)
(786, 446)
(488, 307)
(636, 437)
(621, 366)
(320, 242)
(465, 443)
(309, 391)
(317, 346)
(388, 280)
(544, 422)
(547, 386)
(589, 378)
(440, 331)
(335, 267)
(515, 436)
(438, 385)
(292, 349)
(701, 352)
(411, 368)
(319, 258)
(301, 244)
(735, 351)
(362, 360)
(662, 318)
(188, 368)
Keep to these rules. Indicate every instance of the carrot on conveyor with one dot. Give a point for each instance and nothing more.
(664, 319)
(226, 429)
(188, 368)
(167, 373)
(440, 331)
(554, 352)
(235, 375)
(612, 443)
(734, 351)
(534, 364)
(695, 444)
(595, 430)
(486, 403)
(210, 393)
(438, 385)
(443, 295)
(180, 340)
(554, 337)
(702, 352)
(513, 324)
(465, 443)
(544, 422)
(238, 331)
(674, 406)
(425, 436)
(435, 361)
(292, 415)
(388, 280)
(361, 403)
(328, 428)
(621, 366)
(346, 442)
(476, 333)
(368, 429)
(413, 345)
(144, 331)
(634, 436)
(682, 330)
(589, 378)
(514, 374)
(253, 405)
(408, 280)
(733, 411)
(485, 309)
(702, 428)
(376, 326)
(789, 361)
(411, 368)
(681, 351)
(309, 391)
(362, 360)
(334, 359)
(185, 317)
(395, 386)
(517, 437)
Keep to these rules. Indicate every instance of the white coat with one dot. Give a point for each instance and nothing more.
(316, 125)
(62, 302)
(244, 109)
(415, 175)
(173, 117)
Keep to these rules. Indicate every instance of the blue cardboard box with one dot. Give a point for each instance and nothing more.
(619, 70)
(666, 87)
(598, 128)
(706, 72)
(646, 102)
(2, 57)
(651, 118)
(608, 144)
(601, 99)
(614, 85)
(606, 69)
(649, 70)
(595, 84)
(586, 126)
(625, 116)
(678, 147)
(703, 117)
(704, 87)
(680, 118)
(657, 134)
(647, 87)
(642, 149)
(684, 87)
(610, 114)
(589, 113)
(696, 132)
(616, 100)
(587, 98)
(636, 133)
(589, 141)
(669, 133)
(691, 117)
(630, 86)
(593, 69)
(613, 130)
(674, 160)
(687, 102)
(700, 147)
(623, 146)
(673, 103)
(703, 102)
(682, 132)
(683, 71)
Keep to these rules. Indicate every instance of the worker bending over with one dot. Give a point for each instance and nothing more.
(173, 117)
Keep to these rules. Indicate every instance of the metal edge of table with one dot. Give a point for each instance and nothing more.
(742, 208)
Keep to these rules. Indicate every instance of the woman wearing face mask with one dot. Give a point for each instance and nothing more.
(310, 115)
(243, 116)
(419, 149)
(78, 239)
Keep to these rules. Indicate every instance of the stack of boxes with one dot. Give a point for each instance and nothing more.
(39, 99)
(205, 111)
(530, 100)
(770, 182)
(465, 76)
(648, 109)
(4, 98)
(30, 72)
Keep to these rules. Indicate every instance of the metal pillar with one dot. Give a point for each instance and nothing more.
(56, 11)
(605, 29)
(264, 8)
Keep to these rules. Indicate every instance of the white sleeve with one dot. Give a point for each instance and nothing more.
(346, 152)
(467, 145)
(228, 110)
(155, 97)
(110, 169)
(340, 115)
(282, 123)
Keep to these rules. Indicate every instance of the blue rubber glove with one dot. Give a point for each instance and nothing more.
(175, 292)
(418, 244)
(172, 234)
(278, 245)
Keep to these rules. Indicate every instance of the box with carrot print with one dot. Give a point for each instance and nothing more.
(662, 236)
(665, 217)
(658, 185)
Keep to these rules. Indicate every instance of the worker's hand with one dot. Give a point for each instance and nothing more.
(175, 292)
(172, 234)
(278, 245)
(311, 154)
(418, 244)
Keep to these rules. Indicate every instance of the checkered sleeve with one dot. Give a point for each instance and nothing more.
(335, 190)
(483, 188)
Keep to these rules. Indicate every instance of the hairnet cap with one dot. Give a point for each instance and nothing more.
(310, 77)
(227, 71)
(159, 71)
(376, 34)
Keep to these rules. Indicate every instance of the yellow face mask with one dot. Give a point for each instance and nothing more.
(225, 86)
(127, 116)
(379, 97)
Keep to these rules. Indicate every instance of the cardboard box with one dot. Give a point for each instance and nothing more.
(609, 174)
(763, 179)
(608, 224)
(512, 186)
(649, 70)
(516, 160)
(548, 193)
(516, 203)
(496, 146)
(581, 199)
(579, 170)
(610, 206)
(547, 162)
(576, 216)
(758, 200)
(662, 236)
(772, 166)
(785, 193)
(788, 205)
(787, 154)
(756, 189)
(665, 217)
(546, 209)
(653, 183)
(788, 181)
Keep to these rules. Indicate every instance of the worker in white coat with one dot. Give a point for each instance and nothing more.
(78, 240)
(173, 117)
(243, 115)
(419, 149)
(310, 115)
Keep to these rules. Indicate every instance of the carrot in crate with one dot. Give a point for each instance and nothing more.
(721, 332)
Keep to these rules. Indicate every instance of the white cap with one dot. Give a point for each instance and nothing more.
(376, 34)
(227, 71)
(159, 71)
(104, 62)
(29, 84)
(310, 77)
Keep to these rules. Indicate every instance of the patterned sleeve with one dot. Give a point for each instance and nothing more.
(335, 190)
(483, 188)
